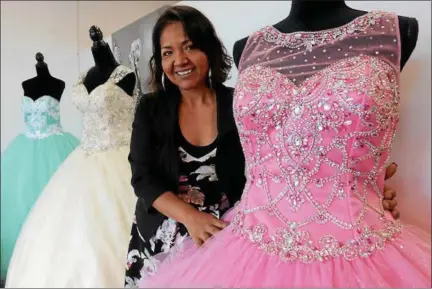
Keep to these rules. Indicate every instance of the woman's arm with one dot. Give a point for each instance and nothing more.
(148, 185)
(230, 166)
(173, 207)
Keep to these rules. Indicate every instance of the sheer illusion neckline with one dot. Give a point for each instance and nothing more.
(353, 23)
(301, 88)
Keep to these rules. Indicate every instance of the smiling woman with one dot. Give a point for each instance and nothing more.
(186, 159)
(184, 65)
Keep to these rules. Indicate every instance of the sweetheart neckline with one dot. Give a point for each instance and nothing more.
(318, 74)
(43, 96)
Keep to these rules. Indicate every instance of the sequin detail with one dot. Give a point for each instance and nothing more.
(107, 113)
(290, 244)
(316, 152)
(310, 39)
(41, 117)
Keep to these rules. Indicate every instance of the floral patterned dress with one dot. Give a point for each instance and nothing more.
(199, 186)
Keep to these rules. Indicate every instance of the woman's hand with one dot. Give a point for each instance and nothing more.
(389, 202)
(202, 226)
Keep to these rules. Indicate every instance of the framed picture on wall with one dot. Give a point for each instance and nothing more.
(132, 47)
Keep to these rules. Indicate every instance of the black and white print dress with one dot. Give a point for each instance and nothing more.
(199, 187)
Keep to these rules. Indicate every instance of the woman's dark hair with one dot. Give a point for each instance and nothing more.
(201, 32)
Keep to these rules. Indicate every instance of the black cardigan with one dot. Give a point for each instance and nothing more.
(154, 153)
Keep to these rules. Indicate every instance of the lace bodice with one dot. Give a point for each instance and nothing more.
(41, 117)
(107, 113)
(317, 114)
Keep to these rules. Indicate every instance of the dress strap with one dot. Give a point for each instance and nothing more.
(119, 73)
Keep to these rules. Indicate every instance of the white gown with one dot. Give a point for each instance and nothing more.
(77, 233)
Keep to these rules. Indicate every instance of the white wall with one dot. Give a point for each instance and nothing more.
(111, 15)
(58, 29)
(234, 20)
(28, 27)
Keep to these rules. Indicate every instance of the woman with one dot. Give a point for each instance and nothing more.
(186, 158)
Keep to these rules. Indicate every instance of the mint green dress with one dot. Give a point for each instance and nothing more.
(28, 164)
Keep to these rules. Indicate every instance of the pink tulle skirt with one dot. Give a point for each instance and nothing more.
(231, 261)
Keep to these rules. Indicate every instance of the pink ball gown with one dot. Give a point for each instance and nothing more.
(317, 114)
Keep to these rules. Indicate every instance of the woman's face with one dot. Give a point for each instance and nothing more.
(184, 65)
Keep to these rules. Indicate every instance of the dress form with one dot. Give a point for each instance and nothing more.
(105, 63)
(321, 15)
(43, 84)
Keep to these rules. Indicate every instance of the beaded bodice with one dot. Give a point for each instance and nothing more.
(41, 117)
(317, 114)
(107, 113)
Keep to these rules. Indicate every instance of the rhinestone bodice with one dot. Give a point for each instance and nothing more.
(316, 119)
(107, 113)
(41, 117)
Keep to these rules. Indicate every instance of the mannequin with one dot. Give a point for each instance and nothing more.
(321, 15)
(105, 63)
(43, 84)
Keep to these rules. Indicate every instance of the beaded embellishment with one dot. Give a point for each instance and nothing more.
(314, 38)
(42, 117)
(316, 151)
(107, 112)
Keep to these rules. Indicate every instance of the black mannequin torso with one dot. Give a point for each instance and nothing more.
(321, 15)
(105, 63)
(43, 84)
